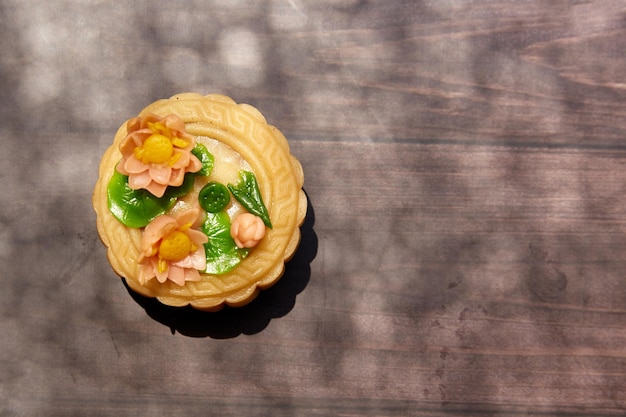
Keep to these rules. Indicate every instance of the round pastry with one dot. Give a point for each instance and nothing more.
(199, 202)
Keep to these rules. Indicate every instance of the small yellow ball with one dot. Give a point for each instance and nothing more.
(157, 149)
(175, 246)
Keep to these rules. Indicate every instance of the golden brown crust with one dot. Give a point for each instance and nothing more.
(280, 177)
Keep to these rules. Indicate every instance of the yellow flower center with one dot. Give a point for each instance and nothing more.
(156, 149)
(175, 246)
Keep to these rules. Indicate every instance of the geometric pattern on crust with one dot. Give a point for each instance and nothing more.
(280, 178)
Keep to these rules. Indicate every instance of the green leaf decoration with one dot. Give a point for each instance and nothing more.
(137, 208)
(182, 190)
(203, 154)
(222, 254)
(248, 194)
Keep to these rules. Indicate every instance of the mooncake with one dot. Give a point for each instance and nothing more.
(199, 202)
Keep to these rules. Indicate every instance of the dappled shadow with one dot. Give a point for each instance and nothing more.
(231, 322)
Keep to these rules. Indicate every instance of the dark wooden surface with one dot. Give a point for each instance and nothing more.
(465, 249)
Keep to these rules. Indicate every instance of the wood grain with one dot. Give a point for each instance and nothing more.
(475, 275)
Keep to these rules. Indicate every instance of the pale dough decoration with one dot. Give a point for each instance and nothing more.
(247, 230)
(149, 140)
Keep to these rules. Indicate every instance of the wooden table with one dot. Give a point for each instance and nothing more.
(465, 248)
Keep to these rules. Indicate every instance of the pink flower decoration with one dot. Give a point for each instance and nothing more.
(171, 248)
(247, 230)
(156, 153)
